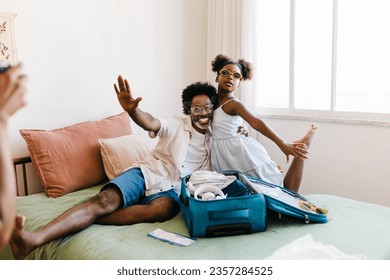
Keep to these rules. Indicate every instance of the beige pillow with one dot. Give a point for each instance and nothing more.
(120, 153)
(68, 159)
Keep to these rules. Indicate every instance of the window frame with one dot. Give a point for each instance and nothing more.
(331, 115)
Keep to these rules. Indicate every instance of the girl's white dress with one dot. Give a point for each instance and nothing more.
(233, 151)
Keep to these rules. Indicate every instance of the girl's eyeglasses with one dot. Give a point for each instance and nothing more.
(197, 110)
(227, 73)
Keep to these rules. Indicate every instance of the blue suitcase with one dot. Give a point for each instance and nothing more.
(287, 202)
(241, 212)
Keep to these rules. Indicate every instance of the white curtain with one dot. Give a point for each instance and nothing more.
(232, 31)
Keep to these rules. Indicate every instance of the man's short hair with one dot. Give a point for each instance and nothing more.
(195, 89)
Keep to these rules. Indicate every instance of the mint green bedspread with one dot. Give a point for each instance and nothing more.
(354, 227)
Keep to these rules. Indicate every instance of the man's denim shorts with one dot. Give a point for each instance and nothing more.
(131, 184)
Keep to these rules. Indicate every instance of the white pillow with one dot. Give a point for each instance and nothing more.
(121, 152)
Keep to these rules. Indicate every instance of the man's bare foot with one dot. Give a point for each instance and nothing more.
(306, 139)
(19, 244)
(20, 221)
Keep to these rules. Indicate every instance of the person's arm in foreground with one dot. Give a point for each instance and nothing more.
(12, 93)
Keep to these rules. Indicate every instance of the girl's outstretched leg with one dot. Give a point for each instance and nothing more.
(294, 175)
(306, 139)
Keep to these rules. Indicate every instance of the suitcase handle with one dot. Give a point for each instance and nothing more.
(237, 214)
(226, 230)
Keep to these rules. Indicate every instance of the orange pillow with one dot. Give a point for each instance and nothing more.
(68, 159)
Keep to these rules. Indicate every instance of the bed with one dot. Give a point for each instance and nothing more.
(355, 228)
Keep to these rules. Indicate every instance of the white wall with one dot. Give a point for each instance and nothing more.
(74, 50)
(348, 160)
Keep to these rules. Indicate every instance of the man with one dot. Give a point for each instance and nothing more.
(144, 193)
(12, 91)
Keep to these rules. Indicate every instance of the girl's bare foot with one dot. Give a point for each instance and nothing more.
(306, 139)
(20, 246)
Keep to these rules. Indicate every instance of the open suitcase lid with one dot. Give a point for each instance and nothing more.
(287, 202)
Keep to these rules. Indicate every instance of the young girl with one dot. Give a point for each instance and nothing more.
(232, 148)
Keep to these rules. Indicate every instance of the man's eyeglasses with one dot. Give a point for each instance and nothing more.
(197, 110)
(227, 73)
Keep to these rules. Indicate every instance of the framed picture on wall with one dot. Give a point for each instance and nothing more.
(8, 52)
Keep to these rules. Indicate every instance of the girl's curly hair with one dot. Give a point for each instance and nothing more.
(245, 66)
(195, 89)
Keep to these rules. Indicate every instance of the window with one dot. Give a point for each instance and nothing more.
(324, 55)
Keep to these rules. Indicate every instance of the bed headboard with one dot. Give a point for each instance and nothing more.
(20, 164)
